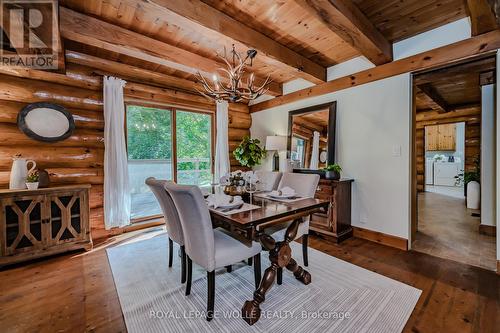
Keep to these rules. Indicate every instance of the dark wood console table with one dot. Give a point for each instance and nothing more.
(334, 223)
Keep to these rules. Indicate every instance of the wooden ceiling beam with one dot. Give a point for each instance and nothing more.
(482, 16)
(437, 57)
(481, 65)
(346, 20)
(91, 31)
(131, 73)
(200, 13)
(435, 97)
(487, 78)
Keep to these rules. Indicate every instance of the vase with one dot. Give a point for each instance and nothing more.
(32, 185)
(473, 195)
(332, 175)
(19, 172)
(234, 190)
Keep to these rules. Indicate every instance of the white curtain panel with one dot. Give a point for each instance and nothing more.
(116, 183)
(222, 166)
(315, 152)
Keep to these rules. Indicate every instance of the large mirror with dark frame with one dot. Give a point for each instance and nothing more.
(311, 137)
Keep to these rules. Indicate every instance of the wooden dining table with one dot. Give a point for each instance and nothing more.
(250, 225)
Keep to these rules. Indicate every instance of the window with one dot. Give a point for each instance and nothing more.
(298, 152)
(194, 148)
(166, 144)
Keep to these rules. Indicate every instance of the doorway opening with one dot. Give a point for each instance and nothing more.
(454, 162)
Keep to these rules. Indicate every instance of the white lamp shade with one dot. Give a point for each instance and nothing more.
(276, 142)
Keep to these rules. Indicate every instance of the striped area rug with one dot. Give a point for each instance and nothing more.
(341, 298)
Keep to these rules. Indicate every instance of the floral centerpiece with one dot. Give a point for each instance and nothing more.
(236, 182)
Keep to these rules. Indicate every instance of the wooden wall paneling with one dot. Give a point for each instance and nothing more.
(420, 161)
(472, 145)
(239, 127)
(435, 115)
(73, 77)
(26, 90)
(163, 95)
(131, 73)
(84, 119)
(239, 120)
(487, 78)
(50, 157)
(76, 160)
(12, 136)
(96, 198)
(237, 134)
(76, 175)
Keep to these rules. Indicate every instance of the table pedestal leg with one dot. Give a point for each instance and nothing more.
(280, 256)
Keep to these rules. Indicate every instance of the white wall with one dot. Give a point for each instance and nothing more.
(443, 35)
(349, 67)
(373, 120)
(294, 85)
(488, 155)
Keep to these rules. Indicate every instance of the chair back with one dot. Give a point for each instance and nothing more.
(172, 220)
(196, 223)
(269, 179)
(304, 185)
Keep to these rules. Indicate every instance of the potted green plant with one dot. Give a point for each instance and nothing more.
(469, 176)
(32, 180)
(249, 153)
(332, 171)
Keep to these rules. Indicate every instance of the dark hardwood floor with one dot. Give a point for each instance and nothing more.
(446, 229)
(76, 292)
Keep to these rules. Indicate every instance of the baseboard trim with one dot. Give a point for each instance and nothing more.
(381, 238)
(488, 230)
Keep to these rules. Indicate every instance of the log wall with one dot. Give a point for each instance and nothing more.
(472, 118)
(80, 158)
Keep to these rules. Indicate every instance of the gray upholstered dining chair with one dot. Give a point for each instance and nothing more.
(305, 185)
(209, 248)
(173, 224)
(269, 179)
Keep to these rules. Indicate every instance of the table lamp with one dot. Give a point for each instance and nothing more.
(276, 143)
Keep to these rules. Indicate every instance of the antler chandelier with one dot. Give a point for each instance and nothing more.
(233, 89)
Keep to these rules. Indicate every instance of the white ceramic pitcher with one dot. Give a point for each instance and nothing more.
(19, 172)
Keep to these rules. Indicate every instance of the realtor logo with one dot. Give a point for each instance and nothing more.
(30, 35)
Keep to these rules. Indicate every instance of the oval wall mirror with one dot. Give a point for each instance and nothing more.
(46, 122)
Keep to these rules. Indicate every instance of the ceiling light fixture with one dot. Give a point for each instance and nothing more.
(233, 89)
